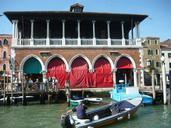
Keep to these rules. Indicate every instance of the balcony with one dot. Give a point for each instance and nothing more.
(68, 42)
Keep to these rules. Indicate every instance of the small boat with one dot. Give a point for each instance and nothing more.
(104, 115)
(147, 99)
(89, 100)
(123, 92)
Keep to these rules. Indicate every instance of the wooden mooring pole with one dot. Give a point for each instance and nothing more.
(153, 86)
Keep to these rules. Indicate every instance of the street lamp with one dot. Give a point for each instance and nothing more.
(164, 79)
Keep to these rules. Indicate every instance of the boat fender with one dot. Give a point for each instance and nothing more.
(129, 115)
(96, 117)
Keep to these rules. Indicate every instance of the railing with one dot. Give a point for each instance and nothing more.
(86, 41)
(23, 42)
(116, 42)
(55, 41)
(71, 41)
(75, 42)
(101, 42)
(39, 42)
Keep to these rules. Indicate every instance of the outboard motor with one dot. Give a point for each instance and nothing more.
(65, 121)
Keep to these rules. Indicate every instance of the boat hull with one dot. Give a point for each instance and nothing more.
(109, 114)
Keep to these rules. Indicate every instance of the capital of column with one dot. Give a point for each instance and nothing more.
(134, 70)
(108, 21)
(63, 21)
(115, 70)
(48, 21)
(93, 21)
(32, 20)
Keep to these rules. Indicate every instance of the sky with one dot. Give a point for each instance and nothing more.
(158, 23)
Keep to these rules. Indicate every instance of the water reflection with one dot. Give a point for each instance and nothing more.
(48, 116)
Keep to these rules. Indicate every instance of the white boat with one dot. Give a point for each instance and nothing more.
(105, 115)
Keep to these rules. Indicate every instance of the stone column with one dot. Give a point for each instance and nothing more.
(108, 33)
(114, 76)
(32, 32)
(123, 33)
(16, 29)
(44, 76)
(137, 30)
(15, 32)
(135, 77)
(79, 39)
(13, 28)
(94, 32)
(47, 34)
(63, 32)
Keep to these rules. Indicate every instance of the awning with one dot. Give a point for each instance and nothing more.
(124, 63)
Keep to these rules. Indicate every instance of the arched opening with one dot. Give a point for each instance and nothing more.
(33, 69)
(102, 76)
(4, 55)
(57, 69)
(79, 75)
(124, 71)
(4, 67)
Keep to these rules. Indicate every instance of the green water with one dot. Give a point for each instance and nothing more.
(48, 116)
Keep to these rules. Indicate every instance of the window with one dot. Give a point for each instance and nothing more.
(169, 65)
(4, 54)
(4, 67)
(150, 52)
(5, 42)
(157, 52)
(0, 42)
(156, 42)
(157, 64)
(169, 55)
(148, 41)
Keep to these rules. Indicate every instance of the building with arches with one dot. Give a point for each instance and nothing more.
(88, 49)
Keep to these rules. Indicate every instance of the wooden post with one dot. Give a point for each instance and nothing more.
(24, 100)
(168, 95)
(153, 86)
(4, 87)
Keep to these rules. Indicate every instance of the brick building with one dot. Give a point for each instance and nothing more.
(5, 52)
(89, 49)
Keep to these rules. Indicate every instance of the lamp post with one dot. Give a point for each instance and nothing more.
(164, 79)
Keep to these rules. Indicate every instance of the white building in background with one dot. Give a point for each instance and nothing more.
(166, 52)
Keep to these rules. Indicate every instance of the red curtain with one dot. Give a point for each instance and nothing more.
(79, 75)
(124, 63)
(57, 69)
(102, 76)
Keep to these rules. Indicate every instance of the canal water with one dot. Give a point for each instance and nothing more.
(48, 116)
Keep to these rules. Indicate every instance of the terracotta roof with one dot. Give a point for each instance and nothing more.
(5, 35)
(166, 44)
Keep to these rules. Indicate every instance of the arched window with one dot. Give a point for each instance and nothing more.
(4, 54)
(5, 42)
(4, 67)
(0, 43)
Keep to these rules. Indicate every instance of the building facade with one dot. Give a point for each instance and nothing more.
(88, 49)
(152, 55)
(166, 52)
(5, 50)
